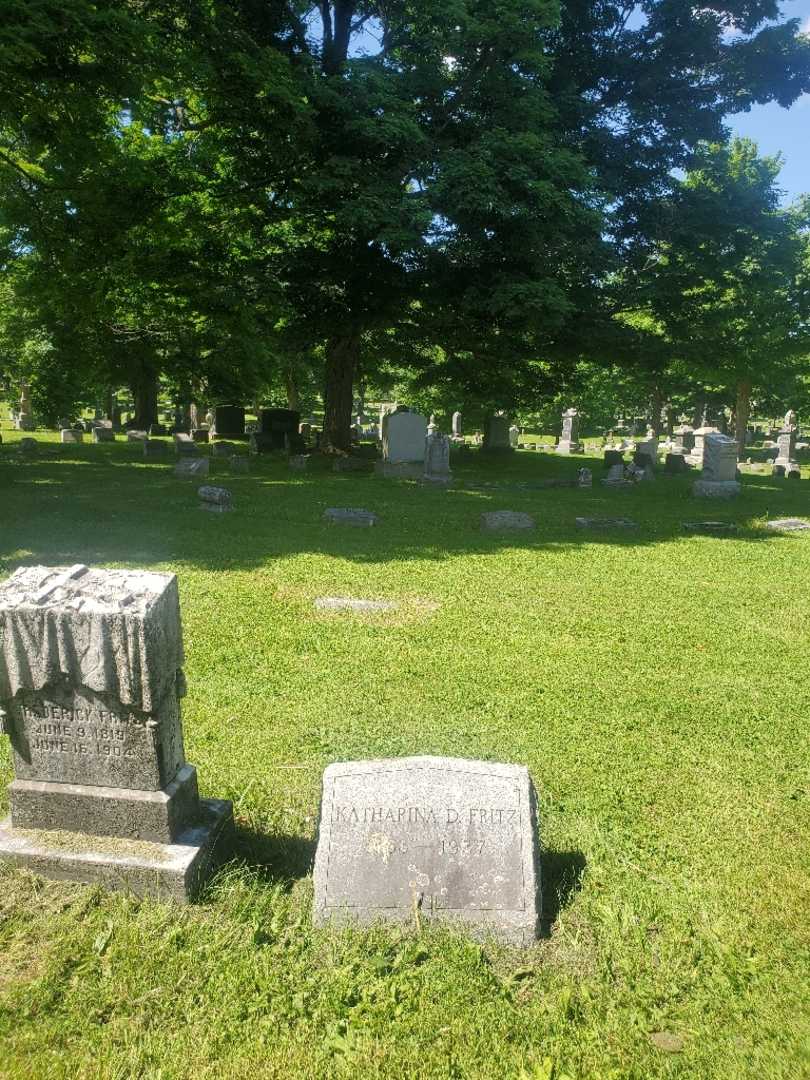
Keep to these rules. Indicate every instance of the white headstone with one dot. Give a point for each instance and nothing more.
(403, 437)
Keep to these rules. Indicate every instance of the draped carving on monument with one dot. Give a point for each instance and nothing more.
(125, 641)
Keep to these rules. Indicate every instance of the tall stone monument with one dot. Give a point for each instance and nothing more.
(569, 439)
(719, 477)
(91, 676)
(430, 837)
(456, 425)
(785, 463)
(25, 418)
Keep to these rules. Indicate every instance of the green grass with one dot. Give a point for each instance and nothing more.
(655, 684)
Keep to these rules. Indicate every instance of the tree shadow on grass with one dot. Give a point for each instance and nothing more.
(561, 879)
(103, 504)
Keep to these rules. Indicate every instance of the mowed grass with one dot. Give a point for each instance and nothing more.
(654, 682)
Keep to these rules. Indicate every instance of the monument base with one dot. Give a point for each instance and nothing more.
(399, 470)
(165, 871)
(716, 489)
(565, 447)
(154, 816)
(791, 469)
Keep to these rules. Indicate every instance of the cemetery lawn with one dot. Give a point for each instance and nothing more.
(654, 682)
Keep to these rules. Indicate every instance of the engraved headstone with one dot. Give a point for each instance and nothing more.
(429, 837)
(718, 479)
(217, 500)
(90, 682)
(184, 445)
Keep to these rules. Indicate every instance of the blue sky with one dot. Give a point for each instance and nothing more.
(785, 131)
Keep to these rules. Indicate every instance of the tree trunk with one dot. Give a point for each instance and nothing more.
(341, 361)
(670, 421)
(656, 405)
(700, 408)
(741, 414)
(293, 397)
(144, 387)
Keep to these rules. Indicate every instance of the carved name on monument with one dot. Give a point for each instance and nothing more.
(449, 838)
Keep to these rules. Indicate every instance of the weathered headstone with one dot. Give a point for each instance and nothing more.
(25, 418)
(675, 464)
(280, 429)
(700, 434)
(646, 453)
(298, 462)
(229, 422)
(785, 463)
(496, 434)
(136, 436)
(27, 446)
(456, 424)
(584, 478)
(348, 603)
(437, 457)
(340, 515)
(184, 445)
(71, 435)
(613, 457)
(240, 463)
(90, 681)
(103, 434)
(718, 479)
(217, 500)
(223, 449)
(155, 449)
(506, 521)
(403, 437)
(428, 837)
(569, 439)
(514, 436)
(191, 468)
(605, 523)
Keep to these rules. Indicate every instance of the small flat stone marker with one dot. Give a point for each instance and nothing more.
(347, 603)
(338, 515)
(709, 526)
(605, 523)
(430, 837)
(788, 525)
(506, 521)
(217, 500)
(90, 684)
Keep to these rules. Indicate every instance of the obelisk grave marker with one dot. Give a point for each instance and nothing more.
(91, 676)
(430, 837)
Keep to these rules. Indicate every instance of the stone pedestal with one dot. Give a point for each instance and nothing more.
(785, 463)
(569, 440)
(90, 685)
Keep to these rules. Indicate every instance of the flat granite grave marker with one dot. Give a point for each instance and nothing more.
(788, 525)
(90, 684)
(191, 468)
(440, 838)
(347, 515)
(506, 520)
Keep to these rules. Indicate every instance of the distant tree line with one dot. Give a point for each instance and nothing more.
(483, 202)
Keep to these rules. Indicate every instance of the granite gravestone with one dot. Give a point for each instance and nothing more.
(496, 436)
(229, 422)
(569, 439)
(279, 428)
(718, 479)
(90, 685)
(441, 838)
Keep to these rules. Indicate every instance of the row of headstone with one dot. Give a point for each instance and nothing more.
(91, 681)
